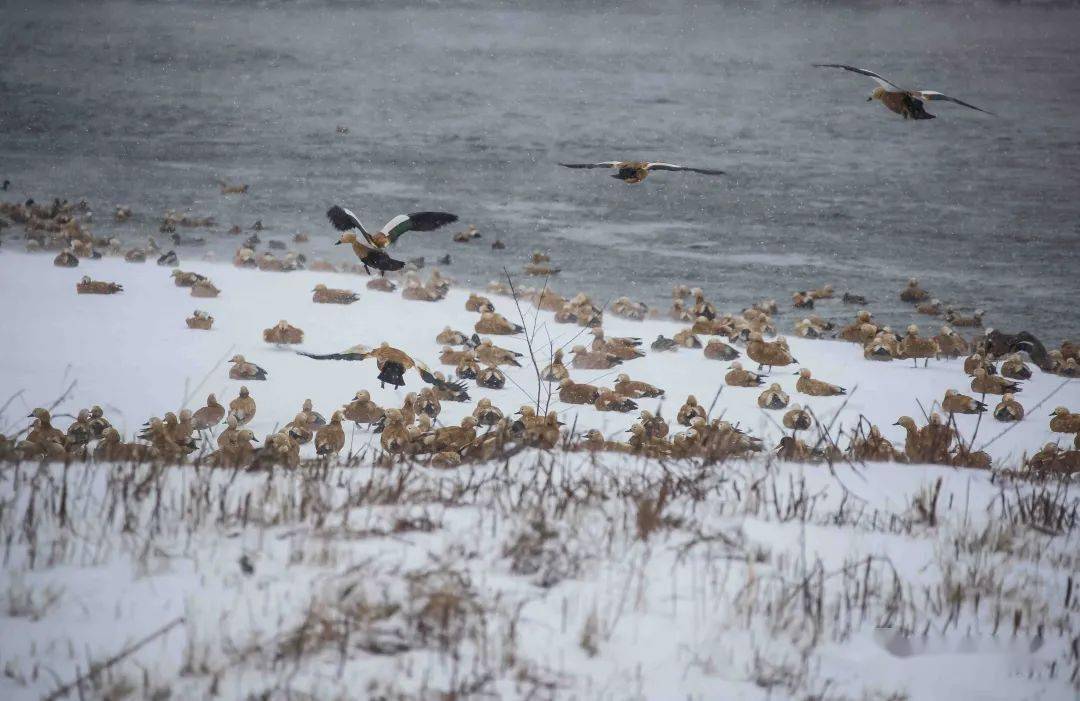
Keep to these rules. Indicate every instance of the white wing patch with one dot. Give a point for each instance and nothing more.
(394, 223)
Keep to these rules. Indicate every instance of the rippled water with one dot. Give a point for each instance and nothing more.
(468, 106)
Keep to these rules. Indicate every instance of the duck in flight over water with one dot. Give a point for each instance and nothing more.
(906, 103)
(372, 253)
(632, 172)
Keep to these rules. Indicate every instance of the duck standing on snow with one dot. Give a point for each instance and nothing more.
(906, 103)
(631, 172)
(771, 354)
(915, 347)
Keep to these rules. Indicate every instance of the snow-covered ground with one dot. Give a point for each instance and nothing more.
(551, 576)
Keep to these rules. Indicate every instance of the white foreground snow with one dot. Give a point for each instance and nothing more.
(526, 580)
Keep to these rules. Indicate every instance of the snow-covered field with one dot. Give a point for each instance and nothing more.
(562, 575)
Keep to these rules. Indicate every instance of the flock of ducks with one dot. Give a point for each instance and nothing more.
(216, 434)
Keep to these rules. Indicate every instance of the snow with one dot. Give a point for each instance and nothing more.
(766, 579)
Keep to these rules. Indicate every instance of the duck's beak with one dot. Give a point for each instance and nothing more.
(870, 99)
(896, 423)
(337, 243)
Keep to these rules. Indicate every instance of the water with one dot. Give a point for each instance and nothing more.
(468, 106)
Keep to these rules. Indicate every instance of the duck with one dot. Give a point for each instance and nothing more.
(449, 356)
(486, 414)
(394, 437)
(283, 333)
(168, 259)
(571, 392)
(243, 407)
(330, 439)
(66, 259)
(915, 347)
(556, 371)
(346, 222)
(1064, 421)
(325, 295)
(773, 398)
(956, 403)
(737, 377)
(951, 344)
(930, 308)
(496, 324)
(87, 286)
(816, 388)
(635, 389)
(852, 298)
(204, 288)
(488, 352)
(1008, 409)
(992, 384)
(608, 400)
(454, 438)
(913, 293)
(664, 345)
(774, 354)
(185, 279)
(593, 360)
(624, 348)
(909, 104)
(718, 350)
(633, 172)
(231, 189)
(873, 448)
(243, 370)
(468, 368)
(797, 419)
(450, 337)
(112, 448)
(205, 418)
(687, 339)
(624, 308)
(416, 291)
(975, 361)
(859, 331)
(42, 428)
(491, 377)
(200, 320)
(478, 303)
(802, 300)
(955, 319)
(370, 257)
(361, 410)
(689, 410)
(1014, 368)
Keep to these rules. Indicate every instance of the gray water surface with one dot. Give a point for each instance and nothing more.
(469, 106)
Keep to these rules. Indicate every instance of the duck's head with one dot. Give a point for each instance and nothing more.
(878, 93)
(346, 237)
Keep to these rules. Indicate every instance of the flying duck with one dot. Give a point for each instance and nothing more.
(345, 221)
(906, 103)
(632, 172)
(392, 364)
